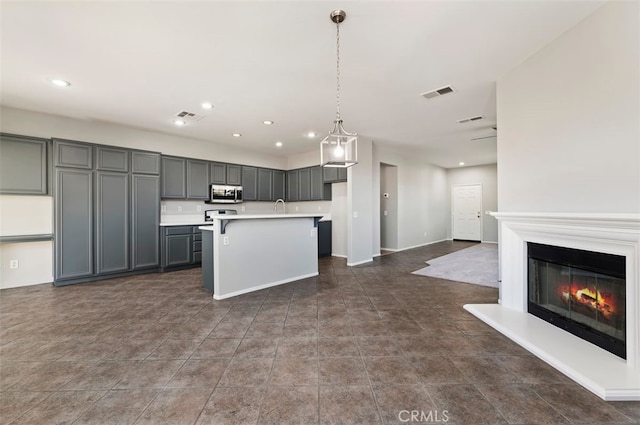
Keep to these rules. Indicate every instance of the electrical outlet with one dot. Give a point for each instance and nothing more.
(242, 208)
(199, 208)
(13, 264)
(355, 214)
(319, 207)
(385, 213)
(297, 208)
(313, 232)
(163, 208)
(225, 240)
(425, 234)
(179, 208)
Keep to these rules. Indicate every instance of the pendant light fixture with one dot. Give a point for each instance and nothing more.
(339, 147)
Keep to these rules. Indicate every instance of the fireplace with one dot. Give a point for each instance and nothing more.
(582, 292)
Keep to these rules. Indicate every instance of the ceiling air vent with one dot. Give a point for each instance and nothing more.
(189, 116)
(437, 92)
(476, 118)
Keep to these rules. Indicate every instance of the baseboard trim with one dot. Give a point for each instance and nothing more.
(370, 260)
(265, 286)
(419, 246)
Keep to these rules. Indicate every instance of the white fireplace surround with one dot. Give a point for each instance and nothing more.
(603, 373)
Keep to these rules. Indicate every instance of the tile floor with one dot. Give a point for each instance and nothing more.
(361, 345)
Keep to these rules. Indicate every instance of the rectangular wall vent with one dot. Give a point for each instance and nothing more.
(437, 92)
(189, 116)
(476, 118)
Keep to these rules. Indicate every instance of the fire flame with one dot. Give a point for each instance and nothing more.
(590, 298)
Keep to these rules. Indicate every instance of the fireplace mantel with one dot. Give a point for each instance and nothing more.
(619, 234)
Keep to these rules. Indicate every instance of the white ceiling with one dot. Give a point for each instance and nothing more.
(138, 63)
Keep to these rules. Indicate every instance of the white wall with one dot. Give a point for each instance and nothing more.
(487, 176)
(423, 198)
(568, 119)
(360, 206)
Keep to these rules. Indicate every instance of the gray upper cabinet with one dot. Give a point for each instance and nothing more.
(218, 173)
(174, 177)
(112, 222)
(304, 182)
(23, 165)
(279, 184)
(342, 174)
(317, 184)
(250, 183)
(265, 184)
(145, 221)
(334, 174)
(197, 179)
(73, 231)
(145, 163)
(109, 159)
(293, 186)
(74, 155)
(234, 174)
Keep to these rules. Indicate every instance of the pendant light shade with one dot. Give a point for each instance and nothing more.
(339, 148)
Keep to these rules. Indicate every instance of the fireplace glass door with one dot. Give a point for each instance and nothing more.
(587, 300)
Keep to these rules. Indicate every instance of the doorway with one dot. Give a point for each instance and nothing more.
(388, 208)
(466, 212)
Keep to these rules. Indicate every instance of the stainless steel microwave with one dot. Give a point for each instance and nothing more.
(219, 194)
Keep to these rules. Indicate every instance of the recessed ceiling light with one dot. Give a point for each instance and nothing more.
(311, 134)
(60, 83)
(236, 134)
(278, 144)
(207, 105)
(179, 123)
(461, 163)
(267, 122)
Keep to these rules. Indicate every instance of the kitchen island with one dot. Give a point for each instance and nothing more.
(246, 253)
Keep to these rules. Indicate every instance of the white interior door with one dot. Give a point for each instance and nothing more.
(467, 212)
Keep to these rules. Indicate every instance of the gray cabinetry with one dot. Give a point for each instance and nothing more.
(293, 186)
(72, 154)
(279, 184)
(234, 174)
(112, 222)
(145, 219)
(265, 184)
(250, 183)
(317, 184)
(145, 163)
(73, 233)
(23, 165)
(304, 184)
(196, 245)
(342, 174)
(174, 177)
(197, 179)
(181, 247)
(111, 159)
(334, 174)
(218, 173)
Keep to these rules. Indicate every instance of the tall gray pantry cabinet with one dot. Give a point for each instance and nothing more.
(106, 211)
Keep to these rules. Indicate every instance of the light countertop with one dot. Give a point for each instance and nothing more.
(187, 221)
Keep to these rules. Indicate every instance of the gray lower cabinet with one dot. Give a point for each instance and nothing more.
(112, 222)
(279, 184)
(265, 184)
(181, 247)
(197, 179)
(73, 232)
(23, 165)
(293, 185)
(250, 183)
(145, 222)
(174, 177)
(234, 174)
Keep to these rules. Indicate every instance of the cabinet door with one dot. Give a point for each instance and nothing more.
(304, 181)
(278, 184)
(108, 159)
(197, 179)
(317, 184)
(324, 239)
(145, 221)
(342, 174)
(330, 174)
(293, 186)
(218, 173)
(112, 222)
(250, 183)
(265, 184)
(73, 224)
(23, 165)
(234, 174)
(177, 250)
(174, 177)
(71, 154)
(145, 163)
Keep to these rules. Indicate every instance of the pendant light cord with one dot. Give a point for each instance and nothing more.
(338, 71)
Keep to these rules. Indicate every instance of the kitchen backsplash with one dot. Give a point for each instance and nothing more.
(172, 210)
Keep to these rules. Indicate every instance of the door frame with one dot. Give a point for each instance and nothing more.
(481, 208)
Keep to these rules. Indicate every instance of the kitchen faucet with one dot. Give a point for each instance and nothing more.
(284, 207)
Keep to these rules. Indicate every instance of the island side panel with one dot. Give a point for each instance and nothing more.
(263, 253)
(207, 260)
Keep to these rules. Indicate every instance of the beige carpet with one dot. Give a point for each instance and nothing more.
(477, 264)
